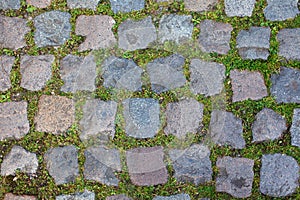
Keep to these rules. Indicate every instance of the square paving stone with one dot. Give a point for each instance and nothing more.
(141, 117)
(146, 166)
(88, 4)
(126, 5)
(11, 196)
(55, 114)
(176, 28)
(53, 28)
(173, 197)
(289, 41)
(278, 10)
(295, 128)
(279, 175)
(121, 73)
(12, 32)
(98, 121)
(118, 197)
(136, 34)
(286, 85)
(78, 73)
(39, 3)
(86, 195)
(6, 63)
(10, 4)
(215, 36)
(166, 73)
(239, 8)
(62, 164)
(19, 159)
(36, 71)
(235, 176)
(184, 117)
(199, 5)
(254, 43)
(226, 129)
(192, 165)
(13, 120)
(207, 78)
(97, 30)
(247, 85)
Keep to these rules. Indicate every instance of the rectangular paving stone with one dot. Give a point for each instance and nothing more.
(182, 196)
(86, 195)
(11, 196)
(126, 5)
(39, 3)
(295, 128)
(199, 5)
(87, 4)
(278, 10)
(289, 41)
(6, 64)
(240, 8)
(10, 4)
(118, 197)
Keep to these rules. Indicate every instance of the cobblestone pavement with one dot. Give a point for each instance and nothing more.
(144, 99)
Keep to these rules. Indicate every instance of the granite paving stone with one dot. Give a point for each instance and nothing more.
(19, 159)
(62, 164)
(39, 3)
(166, 73)
(10, 4)
(239, 8)
(247, 85)
(53, 28)
(199, 5)
(88, 4)
(98, 120)
(118, 197)
(141, 117)
(97, 30)
(278, 10)
(126, 5)
(121, 73)
(136, 34)
(235, 176)
(226, 129)
(295, 128)
(36, 71)
(192, 165)
(55, 114)
(101, 164)
(207, 78)
(286, 85)
(13, 120)
(146, 166)
(289, 41)
(254, 43)
(11, 196)
(175, 28)
(6, 64)
(215, 36)
(12, 32)
(78, 73)
(181, 196)
(86, 195)
(279, 175)
(184, 117)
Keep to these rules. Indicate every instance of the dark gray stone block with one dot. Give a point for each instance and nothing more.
(86, 195)
(173, 197)
(6, 63)
(289, 41)
(295, 128)
(278, 10)
(126, 5)
(118, 197)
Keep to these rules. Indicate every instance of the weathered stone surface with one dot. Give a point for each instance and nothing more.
(121, 73)
(13, 120)
(289, 41)
(78, 73)
(36, 71)
(86, 195)
(98, 32)
(19, 159)
(239, 8)
(286, 85)
(55, 115)
(6, 63)
(89, 4)
(176, 28)
(166, 73)
(146, 166)
(39, 3)
(10, 4)
(199, 5)
(226, 129)
(268, 125)
(192, 164)
(295, 128)
(215, 36)
(173, 197)
(118, 197)
(184, 117)
(141, 117)
(254, 43)
(126, 5)
(247, 85)
(62, 164)
(136, 34)
(279, 175)
(207, 77)
(53, 28)
(235, 176)
(10, 196)
(98, 121)
(12, 32)
(278, 10)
